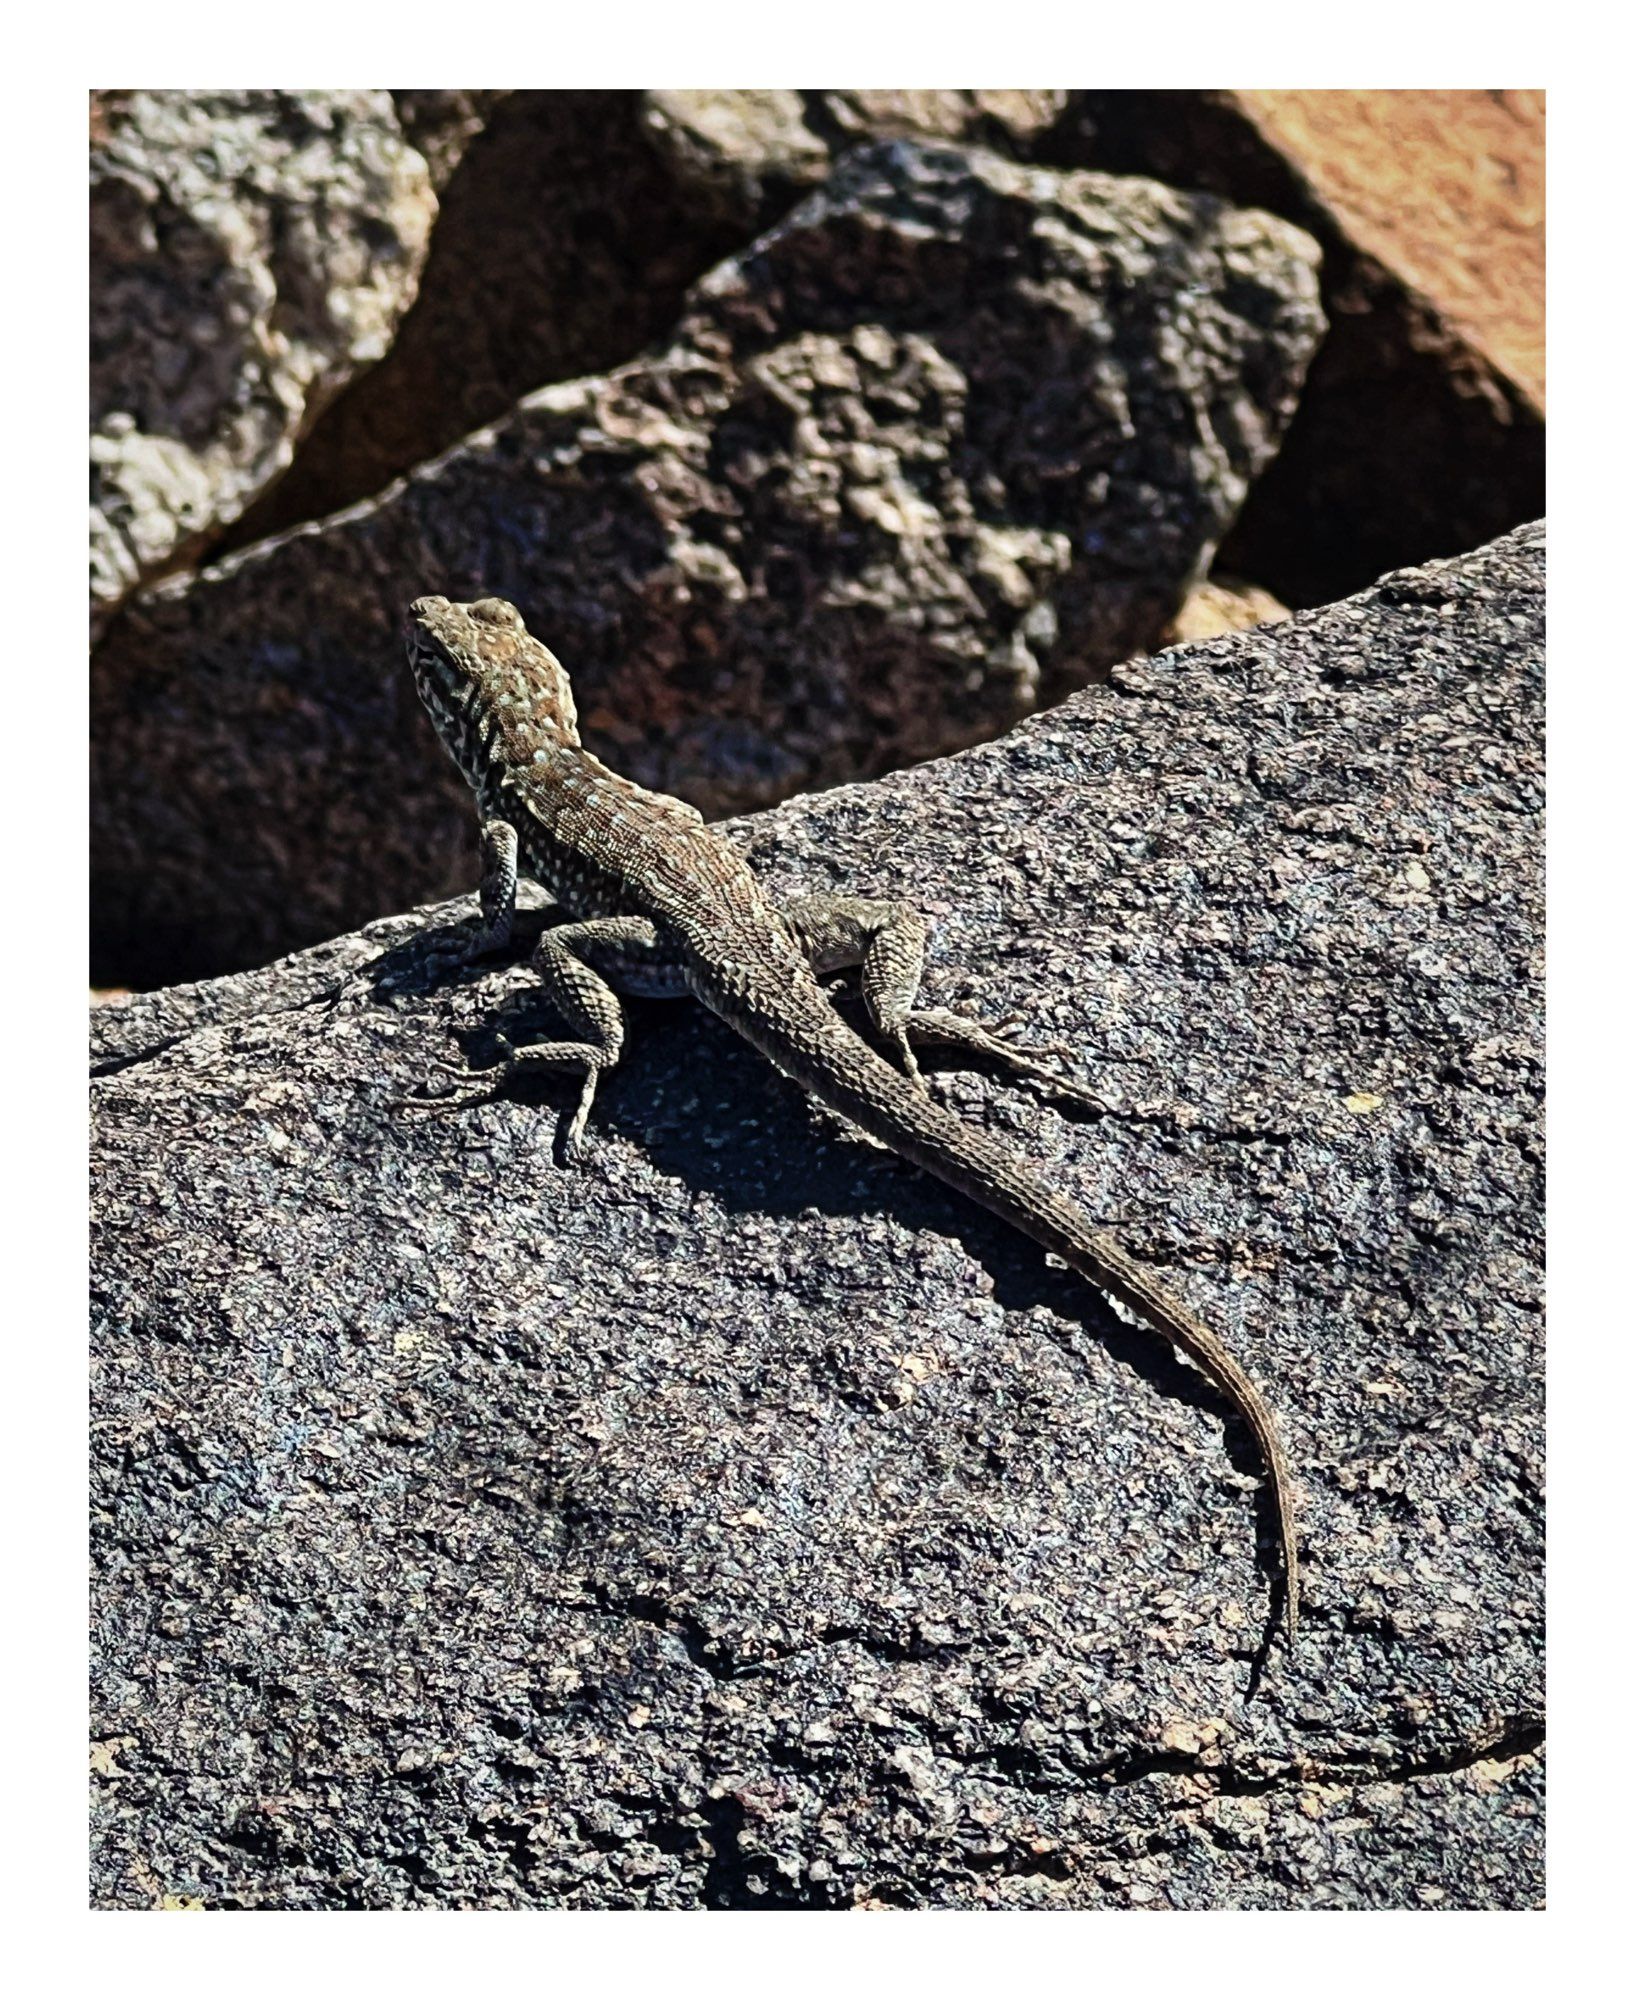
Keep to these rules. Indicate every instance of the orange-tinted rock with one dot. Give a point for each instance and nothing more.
(1421, 430)
(1446, 188)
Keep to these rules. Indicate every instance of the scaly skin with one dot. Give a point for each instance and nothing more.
(667, 907)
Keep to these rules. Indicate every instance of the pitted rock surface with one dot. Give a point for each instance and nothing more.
(569, 235)
(249, 251)
(741, 1520)
(955, 436)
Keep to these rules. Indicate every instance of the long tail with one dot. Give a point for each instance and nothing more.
(809, 1041)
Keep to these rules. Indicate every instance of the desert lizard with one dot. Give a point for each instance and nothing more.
(665, 907)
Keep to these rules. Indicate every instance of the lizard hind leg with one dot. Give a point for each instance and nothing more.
(887, 941)
(586, 1057)
(946, 1029)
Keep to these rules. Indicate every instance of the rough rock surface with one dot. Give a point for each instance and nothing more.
(564, 245)
(567, 241)
(955, 436)
(1444, 187)
(1421, 429)
(249, 251)
(755, 150)
(742, 1520)
(441, 124)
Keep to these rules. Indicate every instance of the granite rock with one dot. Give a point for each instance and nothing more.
(754, 151)
(1421, 429)
(1222, 604)
(743, 1521)
(568, 237)
(249, 251)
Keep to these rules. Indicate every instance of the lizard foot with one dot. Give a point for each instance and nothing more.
(467, 945)
(903, 1049)
(483, 1085)
(940, 1025)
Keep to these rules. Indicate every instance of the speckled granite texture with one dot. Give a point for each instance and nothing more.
(251, 250)
(742, 1520)
(955, 436)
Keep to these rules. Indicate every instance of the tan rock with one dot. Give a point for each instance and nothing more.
(1222, 604)
(249, 251)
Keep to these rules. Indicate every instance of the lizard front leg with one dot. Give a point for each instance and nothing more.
(497, 891)
(886, 940)
(578, 967)
(496, 900)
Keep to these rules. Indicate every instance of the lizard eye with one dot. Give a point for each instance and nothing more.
(495, 611)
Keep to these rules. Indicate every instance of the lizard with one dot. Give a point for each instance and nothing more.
(663, 906)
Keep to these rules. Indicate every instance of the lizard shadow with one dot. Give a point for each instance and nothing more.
(747, 1170)
(679, 1095)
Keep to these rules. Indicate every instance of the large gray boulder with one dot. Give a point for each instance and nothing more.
(742, 1520)
(955, 436)
(250, 250)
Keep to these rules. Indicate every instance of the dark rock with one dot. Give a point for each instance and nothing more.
(744, 1521)
(567, 240)
(249, 251)
(957, 435)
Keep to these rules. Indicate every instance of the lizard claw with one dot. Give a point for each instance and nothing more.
(961, 1031)
(903, 1048)
(468, 943)
(483, 1085)
(459, 952)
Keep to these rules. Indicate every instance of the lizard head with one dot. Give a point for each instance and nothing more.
(495, 693)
